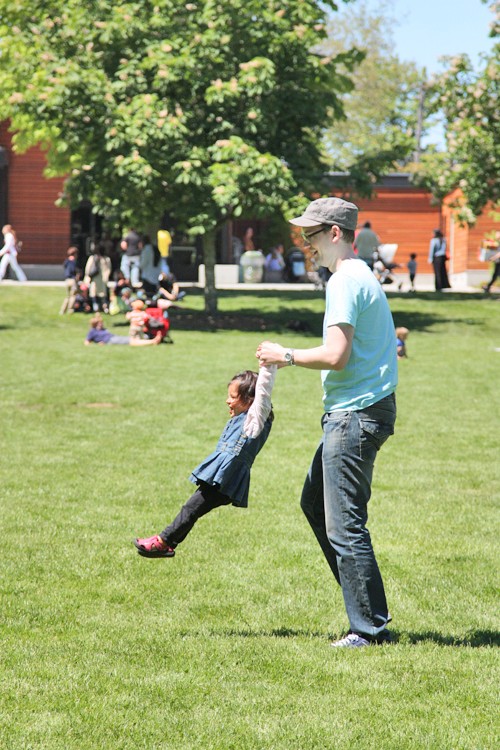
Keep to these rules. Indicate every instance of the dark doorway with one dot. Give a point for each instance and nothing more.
(86, 229)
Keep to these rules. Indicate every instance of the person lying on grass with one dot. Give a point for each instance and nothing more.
(100, 335)
(223, 478)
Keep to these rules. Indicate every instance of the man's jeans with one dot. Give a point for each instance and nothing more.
(335, 498)
(130, 266)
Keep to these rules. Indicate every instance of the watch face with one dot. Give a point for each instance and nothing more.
(288, 357)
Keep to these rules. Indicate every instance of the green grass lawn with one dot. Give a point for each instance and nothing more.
(226, 646)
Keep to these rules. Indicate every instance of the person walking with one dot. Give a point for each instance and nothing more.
(366, 242)
(496, 272)
(358, 361)
(437, 256)
(8, 254)
(131, 246)
(70, 270)
(97, 275)
(412, 270)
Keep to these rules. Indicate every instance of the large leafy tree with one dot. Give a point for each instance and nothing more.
(385, 112)
(468, 99)
(207, 109)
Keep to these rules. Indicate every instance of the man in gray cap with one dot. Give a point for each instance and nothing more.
(359, 373)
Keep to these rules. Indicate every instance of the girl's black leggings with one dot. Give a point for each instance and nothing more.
(201, 502)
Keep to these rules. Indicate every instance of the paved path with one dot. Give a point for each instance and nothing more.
(424, 283)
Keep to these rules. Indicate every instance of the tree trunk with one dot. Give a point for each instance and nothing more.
(209, 258)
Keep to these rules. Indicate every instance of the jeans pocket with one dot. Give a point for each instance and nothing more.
(375, 431)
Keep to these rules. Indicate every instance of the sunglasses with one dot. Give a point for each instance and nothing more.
(306, 237)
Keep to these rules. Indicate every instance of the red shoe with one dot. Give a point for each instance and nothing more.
(153, 546)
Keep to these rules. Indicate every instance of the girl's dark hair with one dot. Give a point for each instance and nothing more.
(246, 384)
(247, 380)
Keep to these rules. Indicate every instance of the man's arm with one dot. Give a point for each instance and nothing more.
(332, 355)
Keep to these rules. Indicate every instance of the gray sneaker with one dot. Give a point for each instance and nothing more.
(351, 640)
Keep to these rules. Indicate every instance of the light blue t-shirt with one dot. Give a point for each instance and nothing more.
(354, 296)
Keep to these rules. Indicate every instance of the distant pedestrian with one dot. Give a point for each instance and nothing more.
(437, 256)
(164, 240)
(366, 242)
(69, 281)
(412, 270)
(8, 253)
(150, 266)
(248, 241)
(131, 246)
(97, 275)
(274, 264)
(496, 269)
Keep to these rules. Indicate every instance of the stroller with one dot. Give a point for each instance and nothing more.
(158, 321)
(383, 265)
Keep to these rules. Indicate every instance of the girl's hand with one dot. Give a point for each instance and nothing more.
(271, 354)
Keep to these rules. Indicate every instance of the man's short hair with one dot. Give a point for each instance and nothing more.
(348, 235)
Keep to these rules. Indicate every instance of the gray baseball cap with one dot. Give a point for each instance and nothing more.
(328, 211)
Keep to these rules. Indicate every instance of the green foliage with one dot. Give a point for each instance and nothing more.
(225, 646)
(469, 101)
(133, 99)
(380, 130)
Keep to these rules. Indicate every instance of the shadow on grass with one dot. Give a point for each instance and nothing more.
(295, 314)
(300, 320)
(474, 639)
(438, 296)
(249, 633)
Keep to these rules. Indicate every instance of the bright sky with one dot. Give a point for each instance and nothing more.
(428, 29)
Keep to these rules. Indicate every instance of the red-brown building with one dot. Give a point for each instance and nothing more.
(406, 215)
(399, 212)
(27, 202)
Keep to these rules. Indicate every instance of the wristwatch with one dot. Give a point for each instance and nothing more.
(288, 357)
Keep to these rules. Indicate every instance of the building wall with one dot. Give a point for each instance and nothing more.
(464, 242)
(43, 228)
(399, 214)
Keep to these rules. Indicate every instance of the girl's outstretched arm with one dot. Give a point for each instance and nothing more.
(261, 407)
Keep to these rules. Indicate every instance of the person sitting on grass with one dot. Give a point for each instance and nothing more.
(169, 288)
(223, 478)
(100, 335)
(401, 336)
(138, 318)
(82, 300)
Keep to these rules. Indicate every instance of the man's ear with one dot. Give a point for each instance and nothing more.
(335, 233)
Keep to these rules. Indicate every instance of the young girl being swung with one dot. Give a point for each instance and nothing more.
(223, 478)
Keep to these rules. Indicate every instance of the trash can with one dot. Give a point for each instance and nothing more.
(252, 265)
(296, 265)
